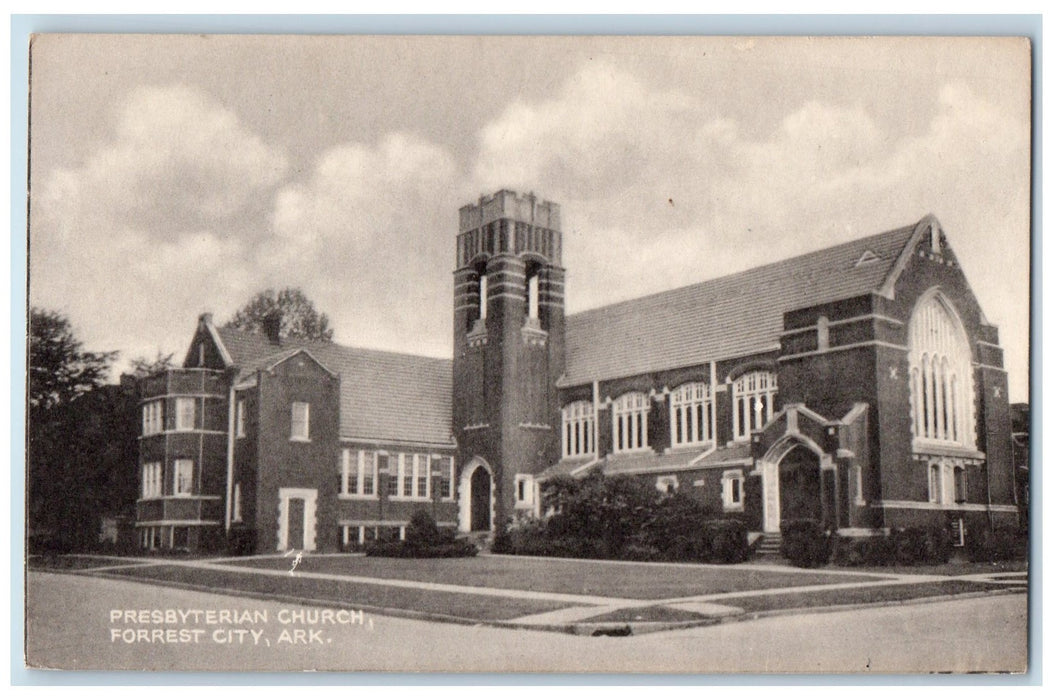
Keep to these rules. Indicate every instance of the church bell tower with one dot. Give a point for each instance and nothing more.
(508, 354)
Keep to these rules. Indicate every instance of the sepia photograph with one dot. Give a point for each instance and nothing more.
(528, 354)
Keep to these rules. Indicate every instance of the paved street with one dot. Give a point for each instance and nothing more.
(86, 623)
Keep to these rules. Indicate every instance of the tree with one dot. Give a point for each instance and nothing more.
(60, 369)
(142, 366)
(299, 318)
(81, 435)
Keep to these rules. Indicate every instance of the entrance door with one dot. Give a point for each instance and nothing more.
(297, 510)
(480, 519)
(800, 492)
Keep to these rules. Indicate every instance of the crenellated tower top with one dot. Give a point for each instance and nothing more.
(509, 223)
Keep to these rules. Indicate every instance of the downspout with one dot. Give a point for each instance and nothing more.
(230, 453)
(596, 418)
(713, 401)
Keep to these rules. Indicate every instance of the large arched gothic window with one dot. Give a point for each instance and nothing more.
(941, 382)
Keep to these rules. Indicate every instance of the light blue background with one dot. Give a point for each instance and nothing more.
(22, 26)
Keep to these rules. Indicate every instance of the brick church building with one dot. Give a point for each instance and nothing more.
(860, 385)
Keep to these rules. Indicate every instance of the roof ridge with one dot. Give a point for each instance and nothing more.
(756, 269)
(290, 344)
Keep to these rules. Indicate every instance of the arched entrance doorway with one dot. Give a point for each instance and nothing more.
(480, 510)
(476, 495)
(800, 487)
(793, 486)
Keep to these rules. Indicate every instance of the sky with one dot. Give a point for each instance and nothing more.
(176, 175)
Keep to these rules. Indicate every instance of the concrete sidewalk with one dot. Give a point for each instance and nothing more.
(580, 607)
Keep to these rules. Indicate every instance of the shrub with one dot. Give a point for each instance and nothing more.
(241, 542)
(805, 543)
(995, 545)
(915, 545)
(907, 546)
(847, 551)
(727, 541)
(423, 530)
(424, 540)
(407, 550)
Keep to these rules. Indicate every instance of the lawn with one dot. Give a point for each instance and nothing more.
(342, 593)
(954, 568)
(856, 596)
(64, 562)
(575, 576)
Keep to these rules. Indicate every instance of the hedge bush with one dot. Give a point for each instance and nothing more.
(424, 540)
(727, 541)
(805, 543)
(406, 550)
(904, 546)
(995, 545)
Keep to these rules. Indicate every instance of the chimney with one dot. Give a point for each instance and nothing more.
(272, 326)
(205, 318)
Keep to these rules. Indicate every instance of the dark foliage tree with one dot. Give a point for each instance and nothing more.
(59, 368)
(299, 318)
(598, 507)
(81, 435)
(143, 366)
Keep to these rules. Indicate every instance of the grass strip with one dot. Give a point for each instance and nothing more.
(575, 576)
(856, 596)
(345, 593)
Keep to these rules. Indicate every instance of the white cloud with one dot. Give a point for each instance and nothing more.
(367, 236)
(177, 160)
(141, 231)
(708, 197)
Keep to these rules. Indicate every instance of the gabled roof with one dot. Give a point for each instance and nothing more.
(727, 317)
(384, 396)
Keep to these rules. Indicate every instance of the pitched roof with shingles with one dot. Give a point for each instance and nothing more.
(727, 317)
(384, 396)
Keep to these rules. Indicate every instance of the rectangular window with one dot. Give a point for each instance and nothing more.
(667, 484)
(241, 419)
(532, 296)
(358, 473)
(394, 475)
(732, 490)
(237, 503)
(368, 462)
(301, 422)
(934, 483)
(960, 490)
(446, 477)
(859, 484)
(185, 411)
(153, 418)
(421, 476)
(484, 292)
(152, 480)
(183, 481)
(348, 474)
(524, 490)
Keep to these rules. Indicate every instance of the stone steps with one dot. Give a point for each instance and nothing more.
(769, 545)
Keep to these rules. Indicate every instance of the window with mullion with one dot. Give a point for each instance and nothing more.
(629, 422)
(578, 429)
(186, 408)
(754, 402)
(690, 414)
(183, 477)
